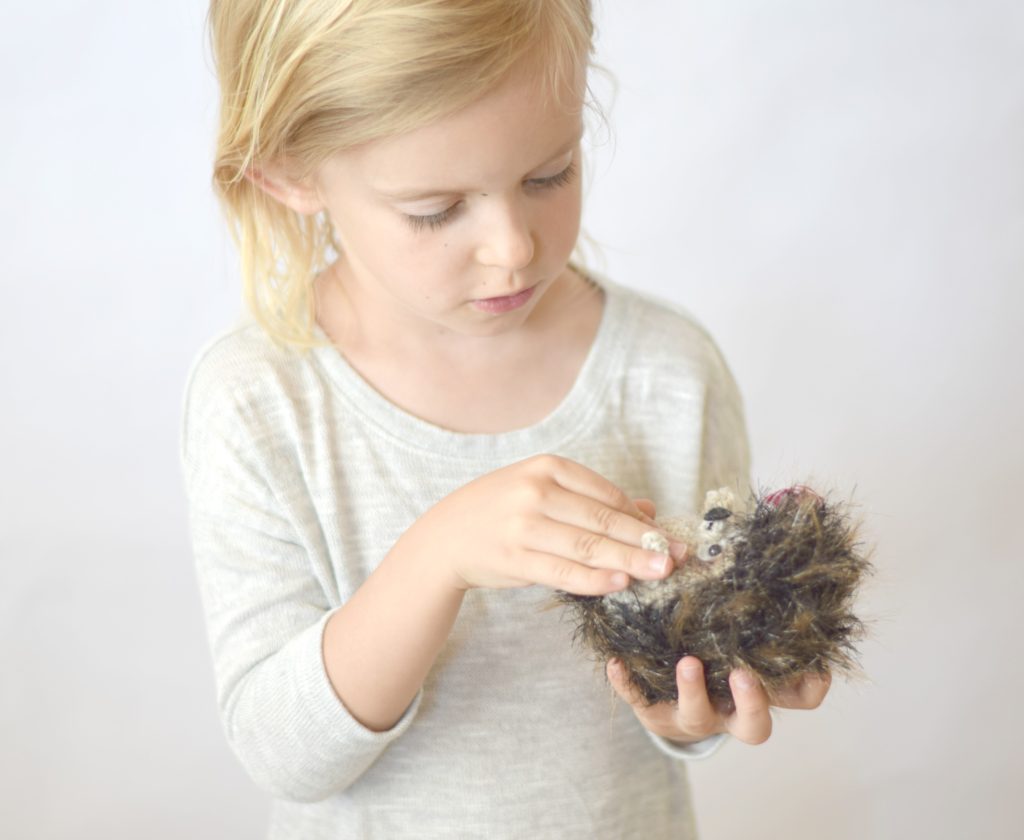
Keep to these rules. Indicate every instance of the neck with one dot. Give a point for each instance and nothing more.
(461, 382)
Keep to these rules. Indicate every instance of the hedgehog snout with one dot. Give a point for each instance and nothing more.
(654, 541)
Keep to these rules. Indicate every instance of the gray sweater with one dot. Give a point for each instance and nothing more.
(300, 477)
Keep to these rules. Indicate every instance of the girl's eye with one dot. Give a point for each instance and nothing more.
(560, 180)
(432, 221)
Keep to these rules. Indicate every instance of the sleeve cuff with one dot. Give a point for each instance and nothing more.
(292, 733)
(689, 752)
(327, 709)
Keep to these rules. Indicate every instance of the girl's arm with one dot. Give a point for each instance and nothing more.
(280, 670)
(546, 520)
(380, 645)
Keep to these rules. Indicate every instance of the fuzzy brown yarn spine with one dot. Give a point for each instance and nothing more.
(784, 608)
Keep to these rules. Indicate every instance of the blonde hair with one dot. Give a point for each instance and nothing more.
(303, 79)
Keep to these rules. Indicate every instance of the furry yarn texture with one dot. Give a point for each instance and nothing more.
(770, 591)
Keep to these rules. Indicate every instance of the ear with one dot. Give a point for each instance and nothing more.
(299, 195)
(723, 498)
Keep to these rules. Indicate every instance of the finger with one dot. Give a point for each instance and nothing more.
(592, 516)
(568, 576)
(578, 479)
(599, 552)
(807, 692)
(695, 713)
(677, 549)
(646, 507)
(616, 673)
(752, 720)
(659, 718)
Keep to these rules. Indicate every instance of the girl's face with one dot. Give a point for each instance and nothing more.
(463, 224)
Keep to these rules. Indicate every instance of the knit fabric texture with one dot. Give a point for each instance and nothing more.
(300, 477)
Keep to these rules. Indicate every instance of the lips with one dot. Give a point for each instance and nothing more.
(506, 303)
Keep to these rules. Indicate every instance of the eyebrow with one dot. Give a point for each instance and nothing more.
(415, 194)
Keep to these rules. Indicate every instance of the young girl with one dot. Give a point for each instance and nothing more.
(435, 420)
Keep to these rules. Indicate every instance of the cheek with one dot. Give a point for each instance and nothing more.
(562, 222)
(394, 246)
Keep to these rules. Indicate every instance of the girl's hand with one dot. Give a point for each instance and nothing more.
(546, 520)
(694, 718)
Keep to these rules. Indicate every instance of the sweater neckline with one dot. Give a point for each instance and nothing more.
(603, 360)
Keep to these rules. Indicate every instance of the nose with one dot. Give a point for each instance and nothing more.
(507, 241)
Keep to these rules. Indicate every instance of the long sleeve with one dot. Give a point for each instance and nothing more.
(725, 452)
(265, 605)
(300, 476)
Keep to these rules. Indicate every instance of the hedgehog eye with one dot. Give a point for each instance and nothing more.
(715, 550)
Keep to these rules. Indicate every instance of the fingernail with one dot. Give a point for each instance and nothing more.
(659, 564)
(677, 550)
(690, 672)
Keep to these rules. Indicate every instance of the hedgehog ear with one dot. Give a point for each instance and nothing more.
(798, 492)
(722, 498)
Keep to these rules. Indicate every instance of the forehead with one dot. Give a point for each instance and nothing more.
(492, 142)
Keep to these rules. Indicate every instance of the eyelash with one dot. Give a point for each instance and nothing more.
(439, 220)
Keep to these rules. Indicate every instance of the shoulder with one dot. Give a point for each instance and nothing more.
(682, 396)
(241, 361)
(666, 337)
(241, 382)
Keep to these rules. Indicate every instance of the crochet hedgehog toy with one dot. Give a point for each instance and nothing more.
(769, 591)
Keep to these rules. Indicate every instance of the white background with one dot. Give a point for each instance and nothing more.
(834, 187)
